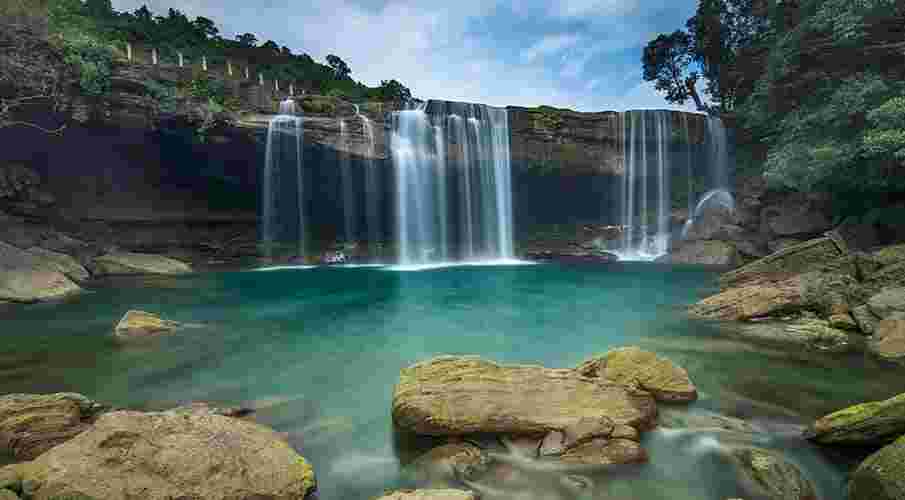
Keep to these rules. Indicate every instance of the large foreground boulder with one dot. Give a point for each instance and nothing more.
(881, 476)
(138, 263)
(31, 424)
(163, 456)
(27, 278)
(457, 395)
(665, 380)
(874, 423)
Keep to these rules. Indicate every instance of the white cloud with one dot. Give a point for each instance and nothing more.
(585, 8)
(549, 45)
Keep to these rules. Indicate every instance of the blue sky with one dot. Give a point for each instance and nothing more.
(579, 54)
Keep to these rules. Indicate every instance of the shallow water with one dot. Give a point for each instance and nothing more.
(318, 350)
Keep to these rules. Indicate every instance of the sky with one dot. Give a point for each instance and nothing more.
(579, 54)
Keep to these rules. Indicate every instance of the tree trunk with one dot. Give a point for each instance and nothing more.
(693, 91)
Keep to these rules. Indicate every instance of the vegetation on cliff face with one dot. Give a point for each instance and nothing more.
(815, 87)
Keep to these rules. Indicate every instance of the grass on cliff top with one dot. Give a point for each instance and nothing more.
(24, 8)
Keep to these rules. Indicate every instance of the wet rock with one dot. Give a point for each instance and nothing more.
(889, 255)
(806, 332)
(768, 475)
(881, 476)
(585, 429)
(31, 424)
(891, 276)
(158, 456)
(441, 466)
(457, 395)
(703, 421)
(8, 495)
(553, 444)
(138, 263)
(752, 300)
(62, 262)
(625, 432)
(888, 341)
(798, 213)
(706, 252)
(866, 320)
(27, 278)
(808, 256)
(635, 367)
(782, 243)
(887, 302)
(873, 423)
(604, 452)
(9, 479)
(439, 494)
(139, 324)
(527, 446)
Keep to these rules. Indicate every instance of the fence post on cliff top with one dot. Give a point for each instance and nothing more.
(229, 67)
(129, 51)
(260, 79)
(154, 58)
(291, 89)
(181, 59)
(276, 85)
(246, 73)
(204, 63)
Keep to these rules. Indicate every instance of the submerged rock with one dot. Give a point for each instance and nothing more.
(31, 424)
(27, 278)
(873, 423)
(806, 332)
(441, 466)
(439, 494)
(138, 263)
(161, 456)
(888, 341)
(456, 395)
(140, 324)
(768, 475)
(881, 476)
(633, 366)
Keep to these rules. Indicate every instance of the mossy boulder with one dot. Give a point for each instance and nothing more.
(140, 324)
(881, 476)
(806, 332)
(31, 424)
(887, 302)
(458, 395)
(62, 262)
(873, 423)
(161, 456)
(766, 474)
(8, 495)
(635, 367)
(138, 263)
(888, 341)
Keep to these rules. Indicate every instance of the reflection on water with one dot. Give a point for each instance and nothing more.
(317, 354)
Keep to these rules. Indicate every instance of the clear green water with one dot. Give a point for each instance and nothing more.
(319, 350)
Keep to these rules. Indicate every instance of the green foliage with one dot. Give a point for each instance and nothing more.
(391, 91)
(94, 62)
(547, 118)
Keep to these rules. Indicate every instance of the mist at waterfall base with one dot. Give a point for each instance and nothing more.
(446, 189)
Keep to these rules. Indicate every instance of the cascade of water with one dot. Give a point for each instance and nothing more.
(720, 194)
(283, 216)
(373, 197)
(348, 185)
(469, 218)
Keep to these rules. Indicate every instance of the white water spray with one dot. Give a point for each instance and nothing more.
(283, 214)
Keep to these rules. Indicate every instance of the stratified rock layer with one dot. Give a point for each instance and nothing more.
(138, 263)
(635, 367)
(31, 424)
(873, 423)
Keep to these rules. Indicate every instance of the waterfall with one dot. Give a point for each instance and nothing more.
(646, 191)
(652, 153)
(283, 214)
(347, 180)
(373, 199)
(454, 194)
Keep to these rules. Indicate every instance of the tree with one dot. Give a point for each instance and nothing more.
(286, 51)
(392, 90)
(341, 70)
(666, 62)
(247, 40)
(99, 9)
(205, 27)
(271, 46)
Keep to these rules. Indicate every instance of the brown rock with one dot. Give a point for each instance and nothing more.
(753, 299)
(138, 263)
(440, 494)
(441, 466)
(632, 366)
(605, 452)
(455, 395)
(553, 444)
(808, 256)
(585, 429)
(27, 278)
(31, 424)
(706, 252)
(161, 456)
(888, 341)
(140, 324)
(625, 432)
